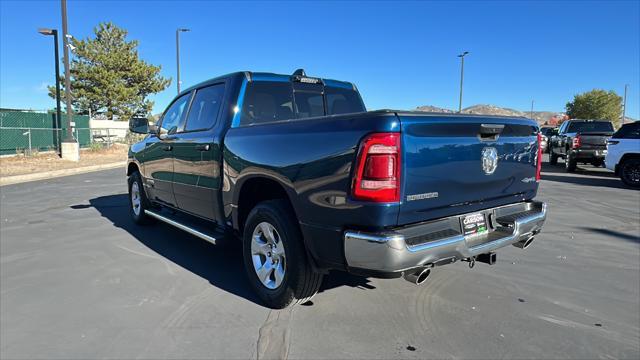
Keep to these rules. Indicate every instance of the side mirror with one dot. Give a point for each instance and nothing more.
(139, 125)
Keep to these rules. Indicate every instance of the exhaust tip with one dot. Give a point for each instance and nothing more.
(422, 277)
(524, 243)
(418, 277)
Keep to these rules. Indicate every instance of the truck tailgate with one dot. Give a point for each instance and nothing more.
(594, 140)
(448, 164)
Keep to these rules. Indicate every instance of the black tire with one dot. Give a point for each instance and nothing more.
(630, 172)
(553, 158)
(139, 217)
(299, 283)
(597, 163)
(570, 164)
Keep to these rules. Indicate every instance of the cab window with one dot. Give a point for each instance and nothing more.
(266, 102)
(205, 108)
(309, 104)
(343, 101)
(174, 114)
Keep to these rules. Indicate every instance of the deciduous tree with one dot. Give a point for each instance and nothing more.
(596, 104)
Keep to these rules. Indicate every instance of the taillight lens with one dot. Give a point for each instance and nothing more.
(377, 175)
(577, 142)
(539, 162)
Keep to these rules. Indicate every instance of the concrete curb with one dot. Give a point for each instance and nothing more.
(16, 179)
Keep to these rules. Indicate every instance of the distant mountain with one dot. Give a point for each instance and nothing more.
(542, 117)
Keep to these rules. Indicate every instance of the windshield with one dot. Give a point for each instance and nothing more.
(547, 131)
(590, 126)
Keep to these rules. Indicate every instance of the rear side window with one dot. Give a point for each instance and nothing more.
(205, 108)
(342, 101)
(267, 102)
(628, 131)
(591, 126)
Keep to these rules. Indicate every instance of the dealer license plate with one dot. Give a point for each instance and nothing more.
(474, 224)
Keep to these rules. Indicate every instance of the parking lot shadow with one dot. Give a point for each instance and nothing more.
(221, 266)
(584, 175)
(616, 234)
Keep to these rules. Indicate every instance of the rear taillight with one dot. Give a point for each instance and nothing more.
(377, 175)
(539, 158)
(577, 142)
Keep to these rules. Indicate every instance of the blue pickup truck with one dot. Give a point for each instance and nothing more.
(309, 181)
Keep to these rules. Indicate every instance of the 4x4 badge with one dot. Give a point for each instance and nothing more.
(489, 160)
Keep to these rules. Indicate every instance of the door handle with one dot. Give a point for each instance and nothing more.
(203, 147)
(167, 148)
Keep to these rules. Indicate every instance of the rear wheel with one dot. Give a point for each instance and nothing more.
(553, 158)
(570, 164)
(274, 256)
(630, 172)
(138, 201)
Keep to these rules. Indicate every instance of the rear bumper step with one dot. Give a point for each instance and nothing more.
(425, 244)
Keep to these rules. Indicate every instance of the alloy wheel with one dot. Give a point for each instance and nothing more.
(135, 198)
(268, 255)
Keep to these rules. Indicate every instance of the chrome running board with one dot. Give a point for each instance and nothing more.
(182, 227)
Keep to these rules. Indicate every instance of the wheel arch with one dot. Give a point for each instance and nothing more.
(254, 190)
(625, 157)
(132, 167)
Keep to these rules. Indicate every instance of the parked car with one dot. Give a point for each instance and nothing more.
(310, 181)
(583, 141)
(546, 133)
(623, 154)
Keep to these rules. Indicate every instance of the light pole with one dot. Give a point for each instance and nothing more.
(70, 148)
(624, 103)
(178, 31)
(531, 113)
(54, 33)
(461, 56)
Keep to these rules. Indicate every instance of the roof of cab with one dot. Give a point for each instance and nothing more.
(265, 76)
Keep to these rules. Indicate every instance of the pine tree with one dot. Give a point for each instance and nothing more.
(108, 77)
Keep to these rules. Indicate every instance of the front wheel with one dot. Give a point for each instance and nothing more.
(274, 256)
(570, 164)
(553, 158)
(138, 201)
(630, 172)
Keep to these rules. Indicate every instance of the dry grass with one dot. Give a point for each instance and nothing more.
(20, 165)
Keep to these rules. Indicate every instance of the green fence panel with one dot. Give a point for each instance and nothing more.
(16, 126)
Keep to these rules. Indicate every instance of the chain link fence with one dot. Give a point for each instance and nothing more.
(30, 132)
(30, 141)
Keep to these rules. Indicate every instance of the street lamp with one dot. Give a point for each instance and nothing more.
(624, 104)
(70, 147)
(54, 33)
(178, 31)
(461, 56)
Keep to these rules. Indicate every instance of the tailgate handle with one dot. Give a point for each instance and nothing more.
(489, 132)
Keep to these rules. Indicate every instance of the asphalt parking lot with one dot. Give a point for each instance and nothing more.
(80, 280)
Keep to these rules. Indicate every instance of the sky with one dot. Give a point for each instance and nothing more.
(400, 54)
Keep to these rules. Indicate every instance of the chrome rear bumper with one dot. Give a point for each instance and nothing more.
(396, 250)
